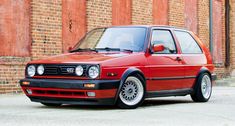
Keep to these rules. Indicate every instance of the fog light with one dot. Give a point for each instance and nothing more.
(91, 94)
(29, 91)
(25, 83)
(89, 85)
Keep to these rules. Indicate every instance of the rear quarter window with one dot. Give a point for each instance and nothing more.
(187, 43)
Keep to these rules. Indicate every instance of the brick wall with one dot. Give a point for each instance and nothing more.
(176, 13)
(221, 70)
(160, 12)
(73, 22)
(99, 13)
(232, 35)
(203, 21)
(191, 15)
(14, 43)
(12, 70)
(142, 12)
(121, 12)
(46, 28)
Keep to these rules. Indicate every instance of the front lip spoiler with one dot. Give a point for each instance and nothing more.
(72, 101)
(213, 77)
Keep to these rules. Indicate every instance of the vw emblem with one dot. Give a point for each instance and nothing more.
(70, 70)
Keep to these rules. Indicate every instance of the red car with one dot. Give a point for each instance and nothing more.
(123, 65)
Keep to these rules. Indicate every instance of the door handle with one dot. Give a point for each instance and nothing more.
(178, 59)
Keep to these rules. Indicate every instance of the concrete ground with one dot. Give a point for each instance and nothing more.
(17, 110)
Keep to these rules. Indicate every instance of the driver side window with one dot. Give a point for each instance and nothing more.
(165, 38)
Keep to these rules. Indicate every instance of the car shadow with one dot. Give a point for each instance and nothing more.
(146, 103)
(163, 102)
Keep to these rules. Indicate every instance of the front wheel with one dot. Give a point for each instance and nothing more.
(132, 93)
(203, 88)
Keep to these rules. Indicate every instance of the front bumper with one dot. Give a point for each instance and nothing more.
(71, 91)
(213, 77)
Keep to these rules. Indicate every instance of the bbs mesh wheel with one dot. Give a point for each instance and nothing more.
(132, 92)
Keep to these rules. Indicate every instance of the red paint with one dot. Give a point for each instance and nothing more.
(69, 93)
(14, 28)
(163, 66)
(190, 11)
(217, 31)
(121, 12)
(160, 12)
(73, 22)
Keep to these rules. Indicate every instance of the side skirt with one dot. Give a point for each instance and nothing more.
(164, 93)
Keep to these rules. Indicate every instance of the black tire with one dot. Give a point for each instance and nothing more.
(198, 95)
(140, 96)
(51, 104)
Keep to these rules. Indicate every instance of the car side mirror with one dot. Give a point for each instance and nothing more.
(70, 48)
(158, 48)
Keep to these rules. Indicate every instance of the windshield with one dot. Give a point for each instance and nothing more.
(121, 38)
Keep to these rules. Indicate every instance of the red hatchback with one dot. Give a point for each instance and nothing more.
(123, 65)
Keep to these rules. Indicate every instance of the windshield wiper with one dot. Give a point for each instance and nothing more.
(127, 50)
(82, 50)
(114, 49)
(108, 49)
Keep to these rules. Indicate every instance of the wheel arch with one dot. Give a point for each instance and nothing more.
(201, 71)
(129, 72)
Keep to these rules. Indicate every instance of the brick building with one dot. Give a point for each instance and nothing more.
(33, 29)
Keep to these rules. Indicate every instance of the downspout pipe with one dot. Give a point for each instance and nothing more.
(211, 26)
(227, 33)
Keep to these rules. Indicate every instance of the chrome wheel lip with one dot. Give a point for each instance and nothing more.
(136, 93)
(206, 86)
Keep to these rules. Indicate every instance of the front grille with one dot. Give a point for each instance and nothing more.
(50, 70)
(55, 93)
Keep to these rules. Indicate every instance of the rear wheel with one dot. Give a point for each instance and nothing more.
(132, 93)
(51, 104)
(202, 89)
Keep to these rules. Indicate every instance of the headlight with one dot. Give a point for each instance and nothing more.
(93, 72)
(79, 70)
(31, 70)
(40, 69)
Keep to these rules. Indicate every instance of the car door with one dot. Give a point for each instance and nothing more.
(166, 67)
(192, 54)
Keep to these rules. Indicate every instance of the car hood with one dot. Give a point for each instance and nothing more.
(80, 57)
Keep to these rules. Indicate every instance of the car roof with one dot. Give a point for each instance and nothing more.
(152, 26)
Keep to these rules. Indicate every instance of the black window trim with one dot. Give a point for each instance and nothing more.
(193, 39)
(171, 33)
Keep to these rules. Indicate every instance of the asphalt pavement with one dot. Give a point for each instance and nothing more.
(18, 110)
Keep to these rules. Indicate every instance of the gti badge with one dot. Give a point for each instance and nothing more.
(70, 70)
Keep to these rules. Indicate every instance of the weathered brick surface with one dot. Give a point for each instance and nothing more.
(160, 12)
(142, 12)
(232, 35)
(99, 13)
(176, 13)
(46, 28)
(11, 71)
(14, 28)
(121, 12)
(203, 21)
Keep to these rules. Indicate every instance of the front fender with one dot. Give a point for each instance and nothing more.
(128, 72)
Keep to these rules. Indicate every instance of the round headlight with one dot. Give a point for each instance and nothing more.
(31, 70)
(79, 70)
(93, 72)
(40, 69)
